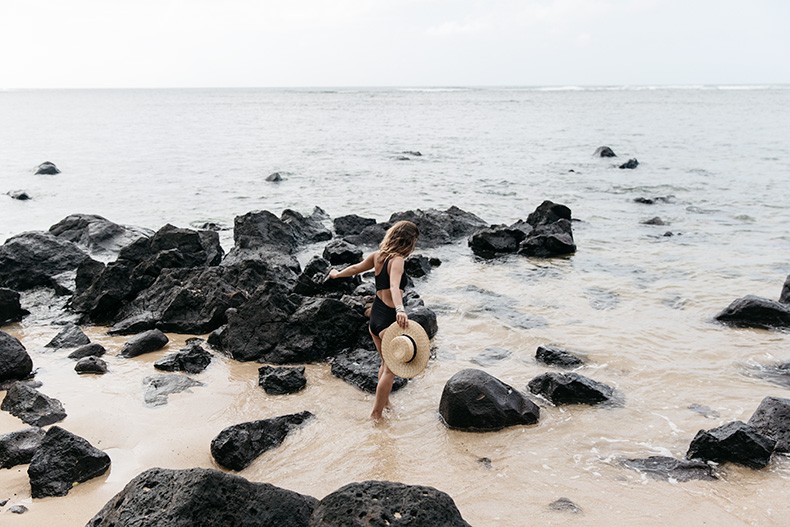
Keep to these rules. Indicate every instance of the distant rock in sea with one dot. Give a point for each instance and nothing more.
(47, 168)
(604, 151)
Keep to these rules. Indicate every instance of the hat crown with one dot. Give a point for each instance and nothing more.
(404, 348)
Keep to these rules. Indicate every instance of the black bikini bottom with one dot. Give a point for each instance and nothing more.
(381, 316)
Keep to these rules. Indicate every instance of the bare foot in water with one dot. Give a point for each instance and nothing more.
(376, 416)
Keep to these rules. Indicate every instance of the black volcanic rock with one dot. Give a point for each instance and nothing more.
(158, 387)
(200, 497)
(32, 406)
(99, 237)
(17, 448)
(475, 401)
(370, 235)
(440, 227)
(264, 229)
(736, 442)
(237, 446)
(785, 296)
(772, 419)
(570, 388)
(654, 221)
(88, 350)
(545, 241)
(63, 460)
(191, 359)
(554, 356)
(495, 240)
(47, 168)
(275, 177)
(313, 280)
(340, 252)
(630, 164)
(604, 151)
(91, 365)
(425, 317)
(669, 468)
(547, 213)
(380, 503)
(281, 381)
(20, 195)
(351, 224)
(15, 363)
(308, 229)
(147, 342)
(417, 266)
(71, 336)
(360, 368)
(756, 312)
(10, 307)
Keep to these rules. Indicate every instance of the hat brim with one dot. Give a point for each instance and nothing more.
(422, 343)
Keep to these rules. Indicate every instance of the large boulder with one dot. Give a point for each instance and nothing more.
(281, 381)
(339, 252)
(547, 213)
(237, 446)
(772, 419)
(38, 259)
(360, 368)
(10, 307)
(475, 401)
(62, 461)
(370, 235)
(736, 442)
(417, 266)
(313, 280)
(191, 359)
(47, 168)
(264, 229)
(570, 388)
(17, 448)
(425, 317)
(32, 406)
(15, 363)
(440, 227)
(545, 241)
(352, 224)
(307, 229)
(146, 342)
(200, 497)
(756, 312)
(99, 237)
(379, 503)
(495, 240)
(71, 336)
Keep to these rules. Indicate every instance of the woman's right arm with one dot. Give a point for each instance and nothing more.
(351, 270)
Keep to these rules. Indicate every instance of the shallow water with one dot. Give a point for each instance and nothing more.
(637, 304)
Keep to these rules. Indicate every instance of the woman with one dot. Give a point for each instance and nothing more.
(388, 264)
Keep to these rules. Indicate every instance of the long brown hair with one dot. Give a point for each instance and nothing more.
(399, 240)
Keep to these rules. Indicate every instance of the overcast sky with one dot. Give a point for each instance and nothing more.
(193, 43)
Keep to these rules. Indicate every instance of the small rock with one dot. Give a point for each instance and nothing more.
(281, 381)
(667, 468)
(417, 266)
(756, 312)
(274, 177)
(630, 164)
(570, 388)
(435, 262)
(3, 502)
(414, 153)
(237, 446)
(10, 307)
(15, 362)
(71, 336)
(339, 252)
(655, 221)
(564, 505)
(32, 406)
(705, 411)
(91, 365)
(21, 195)
(554, 356)
(191, 359)
(772, 419)
(18, 509)
(736, 442)
(491, 356)
(47, 168)
(360, 368)
(668, 234)
(604, 151)
(158, 387)
(17, 448)
(89, 350)
(144, 343)
(486, 462)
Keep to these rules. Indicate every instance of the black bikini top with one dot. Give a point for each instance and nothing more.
(383, 278)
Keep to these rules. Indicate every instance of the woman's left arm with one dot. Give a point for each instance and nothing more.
(351, 270)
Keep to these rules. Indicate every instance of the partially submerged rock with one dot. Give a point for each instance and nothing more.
(237, 446)
(158, 387)
(772, 419)
(785, 296)
(62, 461)
(630, 164)
(669, 468)
(756, 312)
(339, 252)
(281, 381)
(191, 359)
(374, 503)
(98, 236)
(564, 505)
(545, 241)
(147, 342)
(475, 401)
(360, 367)
(10, 307)
(71, 336)
(496, 240)
(88, 350)
(32, 406)
(15, 363)
(17, 448)
(92, 365)
(554, 356)
(47, 168)
(604, 151)
(20, 195)
(491, 356)
(655, 221)
(570, 388)
(440, 227)
(736, 442)
(200, 497)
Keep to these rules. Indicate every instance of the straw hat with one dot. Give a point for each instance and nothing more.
(405, 351)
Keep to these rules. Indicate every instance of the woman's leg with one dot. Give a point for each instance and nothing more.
(384, 386)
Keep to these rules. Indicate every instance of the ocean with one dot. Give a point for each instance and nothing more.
(635, 300)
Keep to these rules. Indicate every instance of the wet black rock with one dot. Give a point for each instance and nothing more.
(307, 229)
(554, 356)
(98, 236)
(604, 151)
(545, 241)
(435, 262)
(281, 381)
(38, 259)
(237, 446)
(374, 503)
(777, 373)
(92, 365)
(158, 387)
(275, 177)
(360, 368)
(654, 200)
(655, 221)
(89, 350)
(496, 240)
(630, 164)
(71, 336)
(191, 359)
(475, 401)
(370, 236)
(785, 296)
(339, 252)
(440, 227)
(414, 153)
(313, 280)
(200, 497)
(351, 224)
(264, 229)
(147, 342)
(772, 419)
(17, 448)
(417, 266)
(15, 363)
(425, 317)
(669, 468)
(570, 388)
(20, 195)
(63, 460)
(564, 505)
(491, 356)
(32, 406)
(47, 168)
(736, 442)
(756, 312)
(547, 213)
(10, 307)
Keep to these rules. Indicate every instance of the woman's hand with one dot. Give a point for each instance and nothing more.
(402, 319)
(333, 274)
